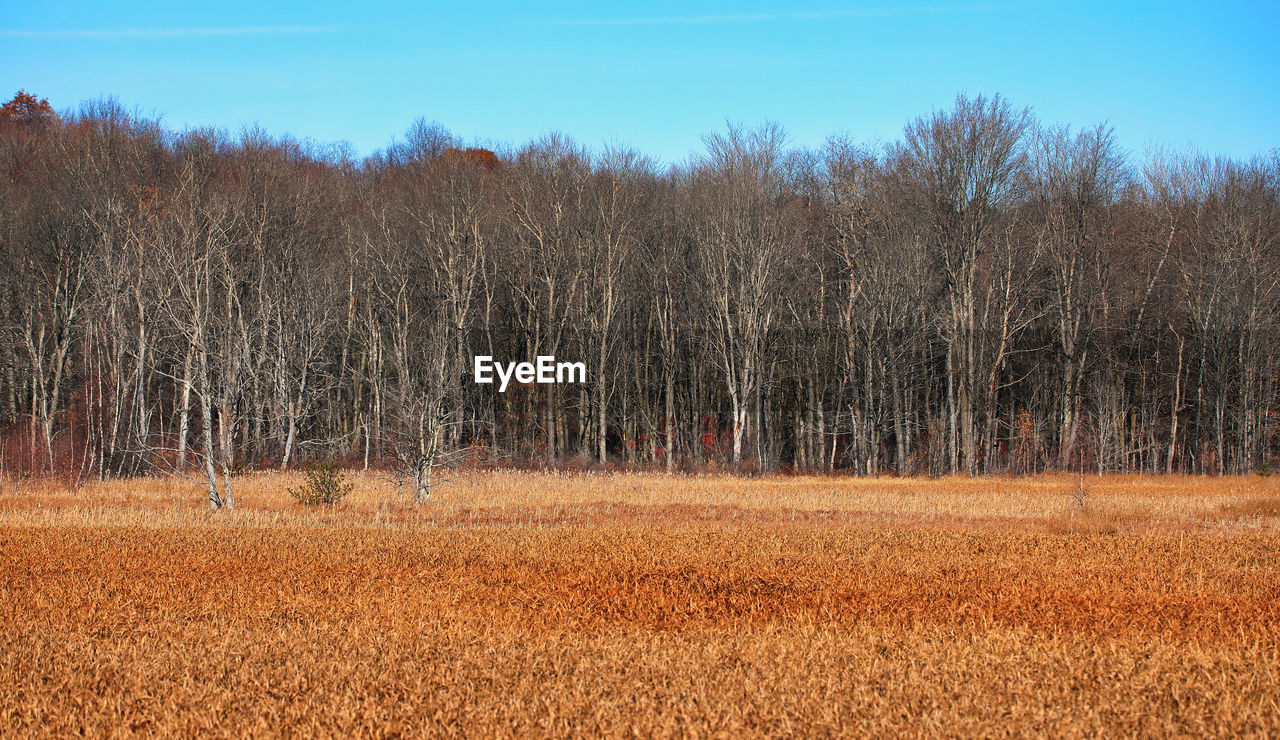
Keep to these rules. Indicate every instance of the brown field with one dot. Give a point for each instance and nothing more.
(541, 604)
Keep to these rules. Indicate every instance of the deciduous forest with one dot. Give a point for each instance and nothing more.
(987, 294)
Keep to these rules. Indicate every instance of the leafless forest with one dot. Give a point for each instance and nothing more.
(987, 294)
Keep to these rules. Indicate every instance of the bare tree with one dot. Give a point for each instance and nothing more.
(962, 168)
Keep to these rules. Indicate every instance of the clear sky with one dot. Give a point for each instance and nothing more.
(657, 75)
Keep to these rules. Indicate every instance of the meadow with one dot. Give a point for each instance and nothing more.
(542, 604)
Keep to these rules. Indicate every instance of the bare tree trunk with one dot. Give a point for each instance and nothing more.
(206, 414)
(549, 423)
(1173, 411)
(185, 411)
(669, 423)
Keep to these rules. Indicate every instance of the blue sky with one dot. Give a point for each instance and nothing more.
(657, 76)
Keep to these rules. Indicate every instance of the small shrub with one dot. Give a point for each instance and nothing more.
(326, 484)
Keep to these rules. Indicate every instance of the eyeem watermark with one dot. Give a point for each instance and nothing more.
(545, 370)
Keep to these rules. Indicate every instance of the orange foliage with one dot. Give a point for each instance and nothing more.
(26, 109)
(473, 155)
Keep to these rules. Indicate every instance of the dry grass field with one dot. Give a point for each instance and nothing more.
(550, 605)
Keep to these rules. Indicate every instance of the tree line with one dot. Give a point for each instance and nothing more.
(986, 294)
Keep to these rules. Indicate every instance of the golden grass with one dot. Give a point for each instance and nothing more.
(1129, 502)
(538, 604)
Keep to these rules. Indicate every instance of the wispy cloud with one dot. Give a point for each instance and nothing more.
(160, 33)
(675, 20)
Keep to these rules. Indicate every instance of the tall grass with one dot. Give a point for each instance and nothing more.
(533, 604)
